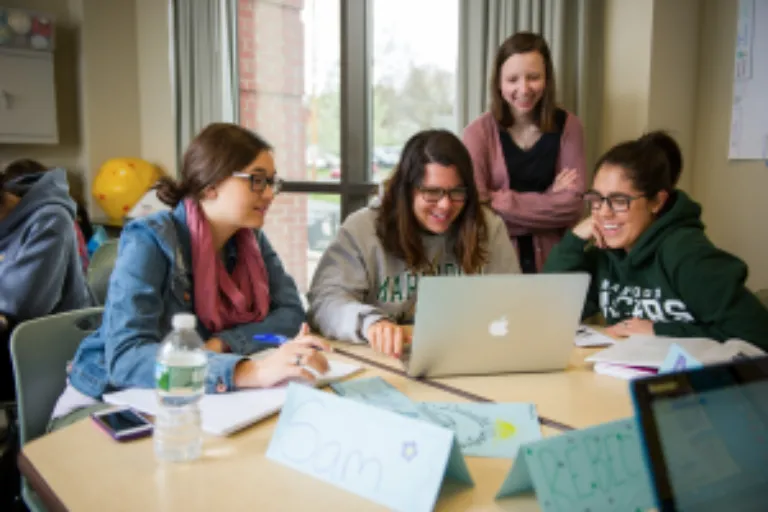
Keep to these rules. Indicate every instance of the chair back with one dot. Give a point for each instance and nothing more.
(100, 269)
(40, 351)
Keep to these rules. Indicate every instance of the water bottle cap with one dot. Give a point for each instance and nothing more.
(184, 321)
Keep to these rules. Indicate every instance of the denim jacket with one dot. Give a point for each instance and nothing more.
(151, 281)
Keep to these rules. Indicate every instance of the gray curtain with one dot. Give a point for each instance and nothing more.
(205, 57)
(573, 31)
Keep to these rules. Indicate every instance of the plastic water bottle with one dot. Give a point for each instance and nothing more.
(180, 383)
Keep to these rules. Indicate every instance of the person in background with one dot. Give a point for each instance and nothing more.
(528, 153)
(654, 271)
(40, 269)
(207, 256)
(430, 222)
(18, 169)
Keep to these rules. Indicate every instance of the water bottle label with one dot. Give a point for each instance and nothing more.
(172, 378)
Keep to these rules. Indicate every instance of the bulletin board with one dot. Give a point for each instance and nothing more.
(749, 117)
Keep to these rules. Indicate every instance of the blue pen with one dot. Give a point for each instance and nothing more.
(270, 339)
(273, 339)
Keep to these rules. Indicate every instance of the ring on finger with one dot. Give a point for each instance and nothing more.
(298, 360)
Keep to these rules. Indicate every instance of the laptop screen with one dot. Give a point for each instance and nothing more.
(706, 436)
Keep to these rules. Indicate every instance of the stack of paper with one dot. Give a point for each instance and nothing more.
(589, 337)
(639, 356)
(623, 372)
(226, 413)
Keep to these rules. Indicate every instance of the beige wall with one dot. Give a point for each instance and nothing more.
(113, 87)
(674, 73)
(157, 124)
(669, 65)
(627, 63)
(109, 88)
(650, 71)
(732, 193)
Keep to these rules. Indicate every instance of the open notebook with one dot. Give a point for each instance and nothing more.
(650, 351)
(640, 356)
(226, 413)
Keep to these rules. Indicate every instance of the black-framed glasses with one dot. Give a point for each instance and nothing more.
(435, 194)
(617, 202)
(260, 183)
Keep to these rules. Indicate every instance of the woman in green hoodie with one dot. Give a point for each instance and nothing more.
(653, 269)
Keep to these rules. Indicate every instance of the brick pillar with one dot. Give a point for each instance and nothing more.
(271, 58)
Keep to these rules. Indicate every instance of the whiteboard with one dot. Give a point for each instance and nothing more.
(749, 115)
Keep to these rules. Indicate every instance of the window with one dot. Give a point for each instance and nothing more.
(333, 154)
(414, 73)
(289, 93)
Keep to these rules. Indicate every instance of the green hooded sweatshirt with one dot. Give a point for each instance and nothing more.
(672, 276)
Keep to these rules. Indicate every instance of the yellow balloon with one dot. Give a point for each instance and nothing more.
(121, 182)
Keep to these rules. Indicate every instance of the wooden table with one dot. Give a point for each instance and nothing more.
(79, 468)
(576, 398)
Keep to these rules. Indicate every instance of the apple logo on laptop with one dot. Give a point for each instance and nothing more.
(499, 327)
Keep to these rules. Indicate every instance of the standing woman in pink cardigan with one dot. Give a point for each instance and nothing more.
(528, 154)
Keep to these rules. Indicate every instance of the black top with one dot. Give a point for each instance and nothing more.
(533, 170)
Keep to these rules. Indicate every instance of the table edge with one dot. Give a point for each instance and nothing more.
(544, 421)
(38, 484)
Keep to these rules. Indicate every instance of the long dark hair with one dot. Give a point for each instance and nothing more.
(219, 150)
(397, 226)
(544, 113)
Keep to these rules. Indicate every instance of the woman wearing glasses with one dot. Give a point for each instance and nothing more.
(653, 269)
(528, 153)
(206, 256)
(430, 222)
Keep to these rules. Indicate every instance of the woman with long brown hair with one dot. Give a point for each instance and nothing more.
(430, 222)
(528, 153)
(209, 257)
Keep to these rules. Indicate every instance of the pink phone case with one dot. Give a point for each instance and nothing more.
(137, 433)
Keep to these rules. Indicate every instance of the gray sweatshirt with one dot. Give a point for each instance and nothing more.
(40, 268)
(357, 284)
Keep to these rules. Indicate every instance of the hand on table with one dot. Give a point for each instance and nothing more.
(287, 362)
(629, 327)
(388, 338)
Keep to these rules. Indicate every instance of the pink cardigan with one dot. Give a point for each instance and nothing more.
(546, 215)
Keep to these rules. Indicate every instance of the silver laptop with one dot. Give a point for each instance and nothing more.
(470, 325)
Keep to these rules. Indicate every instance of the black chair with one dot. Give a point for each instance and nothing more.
(10, 479)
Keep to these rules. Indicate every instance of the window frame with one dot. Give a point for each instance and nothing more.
(356, 184)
